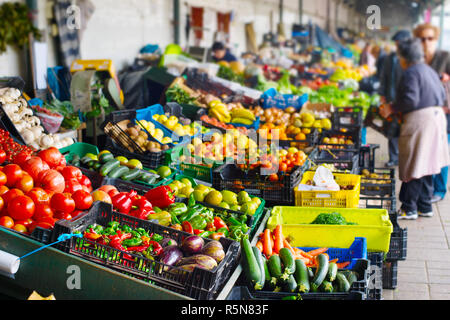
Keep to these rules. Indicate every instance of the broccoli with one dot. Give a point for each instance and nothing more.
(334, 218)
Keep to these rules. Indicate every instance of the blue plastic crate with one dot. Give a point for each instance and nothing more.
(271, 98)
(358, 250)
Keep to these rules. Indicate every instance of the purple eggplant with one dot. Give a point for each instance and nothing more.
(168, 242)
(199, 259)
(214, 249)
(171, 255)
(192, 245)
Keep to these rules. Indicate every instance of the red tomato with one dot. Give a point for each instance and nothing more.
(52, 156)
(22, 157)
(20, 228)
(13, 174)
(273, 177)
(112, 192)
(83, 200)
(34, 166)
(44, 225)
(72, 185)
(3, 190)
(85, 181)
(3, 178)
(62, 202)
(39, 196)
(2, 203)
(26, 222)
(11, 194)
(42, 211)
(51, 180)
(107, 188)
(7, 222)
(2, 156)
(283, 167)
(71, 172)
(25, 184)
(49, 220)
(63, 215)
(21, 208)
(76, 213)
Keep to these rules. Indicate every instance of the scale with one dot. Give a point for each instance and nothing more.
(86, 76)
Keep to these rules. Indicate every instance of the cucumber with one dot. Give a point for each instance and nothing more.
(108, 167)
(75, 159)
(290, 285)
(310, 273)
(274, 265)
(97, 166)
(270, 282)
(332, 270)
(342, 282)
(288, 262)
(92, 163)
(259, 258)
(131, 174)
(250, 264)
(147, 177)
(105, 157)
(326, 286)
(301, 276)
(321, 271)
(118, 172)
(86, 160)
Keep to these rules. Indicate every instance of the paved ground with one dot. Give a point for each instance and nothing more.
(425, 274)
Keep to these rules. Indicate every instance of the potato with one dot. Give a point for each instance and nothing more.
(143, 134)
(132, 132)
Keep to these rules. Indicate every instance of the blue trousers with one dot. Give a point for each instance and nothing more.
(440, 180)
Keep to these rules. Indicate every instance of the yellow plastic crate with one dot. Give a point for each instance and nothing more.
(372, 224)
(330, 199)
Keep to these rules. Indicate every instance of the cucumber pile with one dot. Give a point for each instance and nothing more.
(283, 273)
(108, 166)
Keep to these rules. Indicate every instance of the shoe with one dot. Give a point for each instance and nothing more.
(391, 164)
(435, 199)
(403, 215)
(426, 214)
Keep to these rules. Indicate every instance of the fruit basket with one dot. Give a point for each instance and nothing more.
(348, 198)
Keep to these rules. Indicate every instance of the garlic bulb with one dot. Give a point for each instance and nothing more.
(28, 136)
(46, 141)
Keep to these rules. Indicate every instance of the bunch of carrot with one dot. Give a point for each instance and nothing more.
(270, 243)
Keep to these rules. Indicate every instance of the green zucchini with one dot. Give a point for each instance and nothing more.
(91, 164)
(108, 167)
(270, 282)
(288, 262)
(351, 276)
(326, 286)
(85, 160)
(321, 271)
(259, 259)
(290, 285)
(342, 282)
(118, 172)
(310, 273)
(274, 265)
(147, 177)
(250, 264)
(301, 276)
(131, 174)
(332, 270)
(105, 157)
(97, 166)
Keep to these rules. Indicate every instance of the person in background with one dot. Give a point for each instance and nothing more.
(380, 56)
(439, 60)
(423, 147)
(365, 54)
(221, 53)
(389, 78)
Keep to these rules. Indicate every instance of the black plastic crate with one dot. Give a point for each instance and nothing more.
(399, 243)
(312, 139)
(353, 134)
(7, 123)
(367, 156)
(374, 202)
(390, 270)
(341, 159)
(230, 177)
(39, 234)
(343, 119)
(198, 284)
(360, 286)
(95, 177)
(375, 275)
(383, 185)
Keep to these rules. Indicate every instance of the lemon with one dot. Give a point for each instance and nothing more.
(134, 163)
(103, 152)
(123, 161)
(166, 140)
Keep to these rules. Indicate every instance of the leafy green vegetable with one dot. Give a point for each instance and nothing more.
(333, 218)
(228, 74)
(284, 84)
(178, 95)
(65, 108)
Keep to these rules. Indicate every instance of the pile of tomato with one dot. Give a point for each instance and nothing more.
(10, 149)
(38, 190)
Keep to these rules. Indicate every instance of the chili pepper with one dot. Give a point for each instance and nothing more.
(138, 248)
(156, 209)
(210, 227)
(156, 248)
(123, 201)
(113, 224)
(207, 214)
(192, 212)
(223, 230)
(219, 223)
(141, 208)
(109, 231)
(177, 208)
(135, 234)
(216, 235)
(198, 222)
(133, 242)
(191, 201)
(142, 232)
(197, 231)
(126, 229)
(174, 218)
(156, 237)
(235, 222)
(177, 227)
(163, 218)
(243, 218)
(187, 227)
(161, 196)
(92, 236)
(204, 234)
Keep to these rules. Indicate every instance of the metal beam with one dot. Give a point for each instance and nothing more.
(300, 10)
(176, 21)
(281, 11)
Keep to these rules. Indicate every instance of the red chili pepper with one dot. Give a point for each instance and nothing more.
(197, 231)
(187, 227)
(138, 248)
(161, 196)
(219, 223)
(141, 208)
(157, 248)
(92, 236)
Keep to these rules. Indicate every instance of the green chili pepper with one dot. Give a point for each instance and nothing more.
(157, 210)
(205, 234)
(113, 224)
(156, 237)
(126, 229)
(133, 242)
(233, 221)
(191, 213)
(136, 234)
(109, 231)
(174, 218)
(191, 201)
(243, 218)
(98, 229)
(224, 231)
(142, 232)
(198, 222)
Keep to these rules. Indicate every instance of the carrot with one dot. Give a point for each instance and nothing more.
(260, 246)
(342, 265)
(288, 246)
(334, 260)
(267, 244)
(305, 254)
(271, 239)
(278, 239)
(317, 251)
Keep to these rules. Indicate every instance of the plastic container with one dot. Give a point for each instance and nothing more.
(272, 99)
(378, 186)
(312, 139)
(342, 119)
(79, 149)
(354, 135)
(198, 284)
(399, 244)
(373, 224)
(343, 160)
(390, 270)
(358, 250)
(375, 275)
(373, 202)
(334, 199)
(367, 156)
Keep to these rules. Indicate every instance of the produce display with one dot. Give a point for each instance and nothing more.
(181, 127)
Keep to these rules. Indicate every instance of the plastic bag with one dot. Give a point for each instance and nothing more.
(50, 123)
(324, 178)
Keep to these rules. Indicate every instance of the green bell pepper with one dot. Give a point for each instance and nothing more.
(198, 222)
(177, 208)
(191, 212)
(133, 242)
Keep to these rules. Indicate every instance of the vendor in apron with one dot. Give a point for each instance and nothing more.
(423, 147)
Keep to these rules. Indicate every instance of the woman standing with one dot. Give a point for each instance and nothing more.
(439, 60)
(423, 147)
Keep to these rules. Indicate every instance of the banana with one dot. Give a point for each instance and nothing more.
(243, 114)
(245, 121)
(213, 113)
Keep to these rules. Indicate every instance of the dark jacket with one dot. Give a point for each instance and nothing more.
(229, 57)
(380, 63)
(419, 87)
(389, 77)
(441, 64)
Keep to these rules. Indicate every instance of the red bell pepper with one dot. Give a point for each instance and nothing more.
(219, 223)
(161, 196)
(187, 227)
(141, 208)
(197, 231)
(123, 201)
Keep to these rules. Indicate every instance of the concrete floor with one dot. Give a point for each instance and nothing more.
(425, 274)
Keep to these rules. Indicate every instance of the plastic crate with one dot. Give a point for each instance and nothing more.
(399, 244)
(378, 186)
(374, 202)
(198, 284)
(390, 270)
(312, 139)
(353, 134)
(230, 177)
(372, 224)
(343, 119)
(375, 275)
(334, 199)
(79, 149)
(367, 156)
(271, 98)
(343, 160)
(358, 250)
(361, 286)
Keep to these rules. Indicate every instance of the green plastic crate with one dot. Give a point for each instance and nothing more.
(80, 149)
